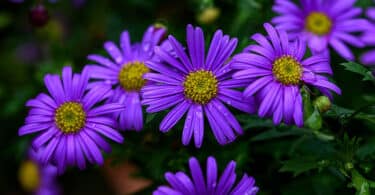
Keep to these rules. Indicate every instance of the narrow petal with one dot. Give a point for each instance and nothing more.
(174, 116)
(197, 175)
(114, 51)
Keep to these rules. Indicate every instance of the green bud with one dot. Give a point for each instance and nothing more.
(322, 103)
(208, 15)
(349, 166)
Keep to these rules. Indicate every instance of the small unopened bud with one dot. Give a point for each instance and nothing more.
(161, 27)
(208, 15)
(349, 166)
(322, 103)
(38, 15)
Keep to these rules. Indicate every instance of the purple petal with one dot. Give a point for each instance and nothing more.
(162, 104)
(105, 109)
(54, 86)
(159, 78)
(269, 100)
(226, 179)
(32, 128)
(177, 47)
(187, 131)
(100, 142)
(211, 175)
(125, 45)
(256, 86)
(174, 116)
(104, 61)
(70, 150)
(197, 175)
(106, 131)
(298, 113)
(216, 130)
(91, 148)
(214, 48)
(114, 51)
(368, 58)
(164, 55)
(341, 49)
(273, 34)
(45, 137)
(80, 159)
(67, 77)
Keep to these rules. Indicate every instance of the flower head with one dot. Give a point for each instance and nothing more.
(196, 85)
(181, 184)
(277, 69)
(369, 39)
(322, 23)
(125, 73)
(37, 178)
(70, 122)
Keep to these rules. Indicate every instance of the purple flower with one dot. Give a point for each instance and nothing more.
(70, 122)
(125, 73)
(369, 39)
(181, 184)
(277, 70)
(38, 178)
(322, 23)
(196, 85)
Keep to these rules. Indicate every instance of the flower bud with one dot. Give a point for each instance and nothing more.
(38, 15)
(322, 103)
(208, 15)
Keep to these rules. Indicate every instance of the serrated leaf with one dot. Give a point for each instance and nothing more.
(275, 133)
(359, 69)
(253, 122)
(366, 149)
(300, 165)
(337, 111)
(360, 184)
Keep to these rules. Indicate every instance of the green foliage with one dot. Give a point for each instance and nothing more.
(359, 69)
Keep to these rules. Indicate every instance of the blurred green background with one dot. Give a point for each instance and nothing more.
(283, 160)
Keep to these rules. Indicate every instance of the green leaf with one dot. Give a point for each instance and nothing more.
(314, 121)
(253, 121)
(366, 149)
(300, 165)
(276, 133)
(307, 105)
(359, 69)
(360, 184)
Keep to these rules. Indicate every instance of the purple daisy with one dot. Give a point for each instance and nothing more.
(196, 85)
(37, 178)
(70, 121)
(125, 73)
(277, 70)
(369, 39)
(322, 23)
(181, 184)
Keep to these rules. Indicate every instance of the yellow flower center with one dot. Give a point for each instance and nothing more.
(200, 86)
(318, 23)
(70, 117)
(287, 70)
(131, 74)
(28, 176)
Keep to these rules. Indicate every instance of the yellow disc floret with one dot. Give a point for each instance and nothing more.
(28, 176)
(318, 23)
(200, 86)
(131, 76)
(70, 117)
(287, 70)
